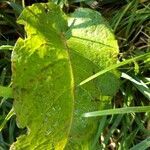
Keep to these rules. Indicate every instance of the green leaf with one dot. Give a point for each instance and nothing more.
(42, 80)
(6, 92)
(93, 47)
(43, 64)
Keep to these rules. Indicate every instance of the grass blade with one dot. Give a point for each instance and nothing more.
(122, 14)
(142, 145)
(100, 130)
(16, 7)
(118, 111)
(10, 114)
(6, 47)
(141, 86)
(113, 128)
(113, 67)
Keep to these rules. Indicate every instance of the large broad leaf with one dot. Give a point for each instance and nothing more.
(93, 48)
(42, 80)
(42, 76)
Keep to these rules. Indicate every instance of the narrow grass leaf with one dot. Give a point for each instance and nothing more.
(10, 114)
(100, 130)
(128, 139)
(121, 15)
(113, 67)
(6, 47)
(118, 111)
(16, 7)
(140, 85)
(142, 145)
(141, 126)
(113, 128)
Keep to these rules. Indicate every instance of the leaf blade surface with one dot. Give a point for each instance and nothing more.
(42, 80)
